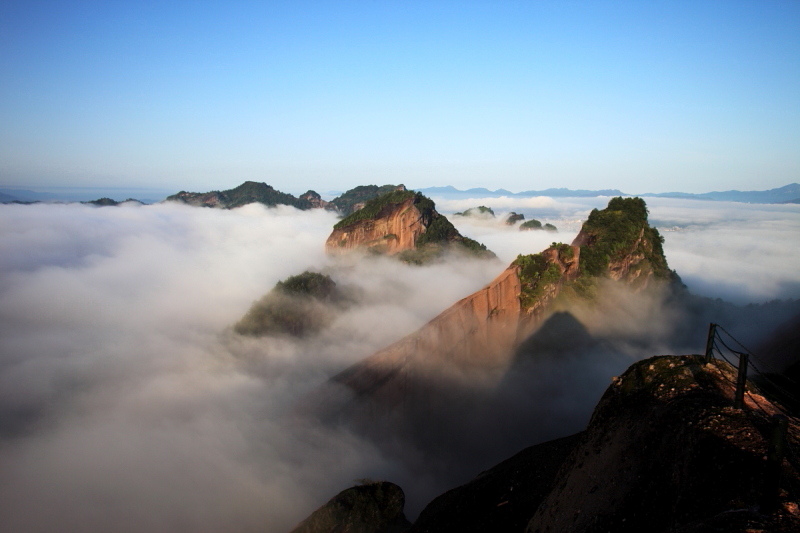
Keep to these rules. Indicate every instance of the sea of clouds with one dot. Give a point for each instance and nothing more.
(127, 403)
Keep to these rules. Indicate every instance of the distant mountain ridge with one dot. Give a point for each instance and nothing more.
(246, 193)
(786, 194)
(81, 194)
(353, 199)
(259, 192)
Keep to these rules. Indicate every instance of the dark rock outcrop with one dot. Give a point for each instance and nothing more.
(533, 225)
(297, 306)
(109, 202)
(477, 212)
(513, 218)
(314, 199)
(501, 498)
(666, 451)
(369, 508)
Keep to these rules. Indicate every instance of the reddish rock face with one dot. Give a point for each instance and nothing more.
(396, 231)
(475, 337)
(475, 334)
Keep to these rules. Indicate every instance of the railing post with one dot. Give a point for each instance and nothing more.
(741, 381)
(772, 473)
(712, 332)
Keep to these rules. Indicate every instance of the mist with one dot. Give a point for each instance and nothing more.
(742, 253)
(127, 402)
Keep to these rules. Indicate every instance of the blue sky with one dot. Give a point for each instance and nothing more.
(640, 96)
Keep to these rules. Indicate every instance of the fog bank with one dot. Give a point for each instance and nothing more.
(127, 402)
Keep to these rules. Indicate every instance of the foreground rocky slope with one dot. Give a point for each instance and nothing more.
(369, 508)
(501, 498)
(665, 451)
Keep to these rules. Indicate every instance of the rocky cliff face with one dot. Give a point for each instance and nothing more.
(474, 336)
(477, 335)
(618, 242)
(400, 222)
(394, 229)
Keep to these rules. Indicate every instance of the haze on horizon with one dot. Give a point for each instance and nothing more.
(638, 96)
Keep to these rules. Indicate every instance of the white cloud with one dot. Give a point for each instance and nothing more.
(120, 379)
(740, 252)
(127, 403)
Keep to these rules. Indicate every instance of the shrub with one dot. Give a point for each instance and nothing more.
(613, 232)
(535, 274)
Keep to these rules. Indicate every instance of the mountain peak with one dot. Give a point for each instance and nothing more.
(400, 222)
(490, 324)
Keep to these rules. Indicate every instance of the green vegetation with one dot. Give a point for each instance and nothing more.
(374, 207)
(534, 224)
(475, 247)
(439, 235)
(441, 232)
(479, 212)
(296, 306)
(535, 274)
(530, 225)
(615, 232)
(565, 251)
(345, 203)
(619, 233)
